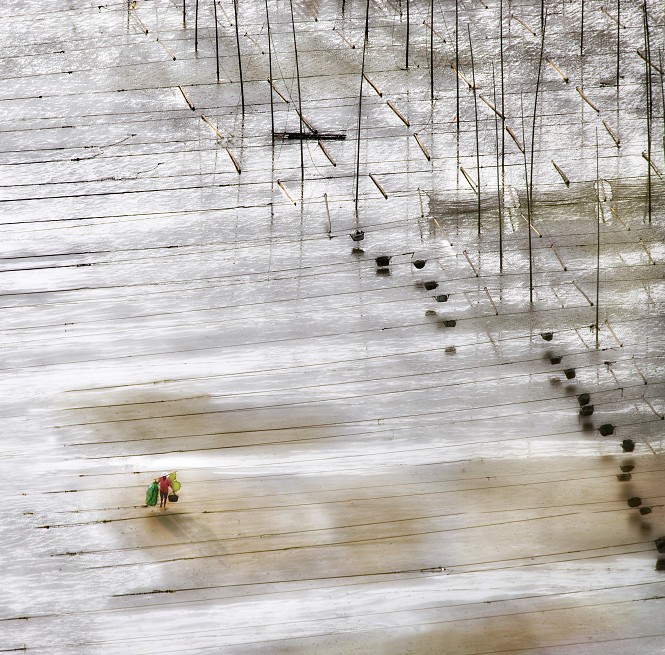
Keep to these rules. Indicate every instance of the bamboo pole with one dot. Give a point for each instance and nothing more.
(503, 136)
(422, 146)
(535, 110)
(649, 99)
(295, 50)
(542, 15)
(214, 5)
(378, 186)
(242, 87)
(528, 201)
(498, 175)
(398, 113)
(475, 107)
(272, 104)
(431, 51)
(662, 97)
(457, 72)
(376, 88)
(582, 31)
(564, 177)
(326, 153)
(196, 26)
(586, 99)
(618, 43)
(597, 240)
(190, 104)
(360, 104)
(408, 25)
(612, 133)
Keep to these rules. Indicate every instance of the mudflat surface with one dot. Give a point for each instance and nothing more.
(373, 459)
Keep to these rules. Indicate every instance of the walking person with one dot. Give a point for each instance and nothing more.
(164, 485)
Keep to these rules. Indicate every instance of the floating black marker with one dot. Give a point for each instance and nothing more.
(583, 399)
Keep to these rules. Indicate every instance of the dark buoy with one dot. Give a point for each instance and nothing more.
(431, 284)
(555, 359)
(624, 477)
(645, 510)
(382, 261)
(635, 501)
(441, 298)
(569, 373)
(587, 410)
(606, 429)
(628, 445)
(419, 263)
(627, 468)
(583, 399)
(357, 235)
(450, 322)
(660, 564)
(547, 335)
(660, 544)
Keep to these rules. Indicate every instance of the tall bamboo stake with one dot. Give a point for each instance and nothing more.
(503, 108)
(360, 104)
(295, 49)
(582, 31)
(498, 177)
(662, 96)
(457, 69)
(196, 26)
(184, 12)
(408, 19)
(647, 64)
(214, 4)
(618, 42)
(597, 240)
(272, 104)
(475, 107)
(535, 109)
(242, 87)
(528, 201)
(431, 50)
(542, 15)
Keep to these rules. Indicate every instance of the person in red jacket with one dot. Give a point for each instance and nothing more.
(164, 485)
